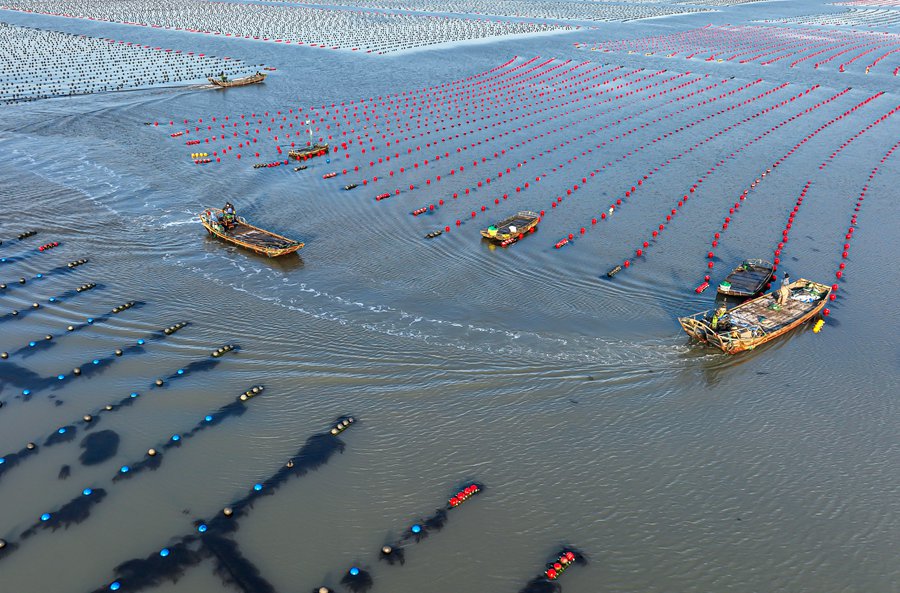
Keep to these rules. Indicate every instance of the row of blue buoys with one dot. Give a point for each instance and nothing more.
(37, 345)
(210, 537)
(40, 276)
(68, 432)
(78, 509)
(15, 313)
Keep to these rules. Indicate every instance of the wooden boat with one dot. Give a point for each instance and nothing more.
(248, 236)
(758, 320)
(308, 152)
(252, 79)
(748, 279)
(509, 230)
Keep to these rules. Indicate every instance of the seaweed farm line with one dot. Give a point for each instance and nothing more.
(472, 377)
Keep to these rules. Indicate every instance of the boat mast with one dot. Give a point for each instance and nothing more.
(309, 131)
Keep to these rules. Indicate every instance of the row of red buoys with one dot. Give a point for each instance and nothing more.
(767, 45)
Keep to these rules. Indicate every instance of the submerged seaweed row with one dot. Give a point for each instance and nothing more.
(33, 383)
(360, 580)
(101, 446)
(22, 281)
(211, 539)
(39, 64)
(355, 30)
(48, 341)
(17, 314)
(67, 433)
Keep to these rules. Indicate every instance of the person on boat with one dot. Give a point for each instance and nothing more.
(717, 323)
(223, 77)
(228, 215)
(784, 292)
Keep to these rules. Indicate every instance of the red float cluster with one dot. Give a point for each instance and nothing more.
(464, 495)
(48, 246)
(555, 569)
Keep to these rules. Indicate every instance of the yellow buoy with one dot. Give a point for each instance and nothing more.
(818, 326)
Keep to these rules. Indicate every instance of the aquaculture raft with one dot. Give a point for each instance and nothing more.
(253, 79)
(308, 152)
(248, 236)
(510, 230)
(759, 320)
(748, 279)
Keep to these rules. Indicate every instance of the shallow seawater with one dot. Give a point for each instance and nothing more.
(574, 399)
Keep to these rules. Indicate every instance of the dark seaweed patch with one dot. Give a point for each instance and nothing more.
(156, 568)
(64, 472)
(13, 459)
(98, 447)
(73, 512)
(62, 297)
(233, 567)
(63, 434)
(357, 580)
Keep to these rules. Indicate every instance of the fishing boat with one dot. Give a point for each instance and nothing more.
(313, 149)
(748, 279)
(509, 230)
(248, 236)
(758, 320)
(252, 79)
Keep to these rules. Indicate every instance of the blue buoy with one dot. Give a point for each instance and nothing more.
(257, 487)
(114, 586)
(124, 469)
(60, 377)
(95, 361)
(2, 460)
(141, 342)
(62, 430)
(52, 299)
(31, 344)
(26, 392)
(90, 320)
(416, 528)
(202, 528)
(354, 571)
(164, 552)
(87, 491)
(180, 371)
(134, 394)
(176, 438)
(208, 418)
(45, 517)
(39, 276)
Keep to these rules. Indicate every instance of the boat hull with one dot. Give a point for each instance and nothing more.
(756, 322)
(248, 236)
(310, 152)
(513, 228)
(254, 79)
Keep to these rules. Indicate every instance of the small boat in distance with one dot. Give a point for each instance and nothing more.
(248, 236)
(313, 148)
(748, 279)
(758, 320)
(509, 230)
(222, 80)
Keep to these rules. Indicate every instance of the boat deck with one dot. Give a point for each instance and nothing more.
(252, 235)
